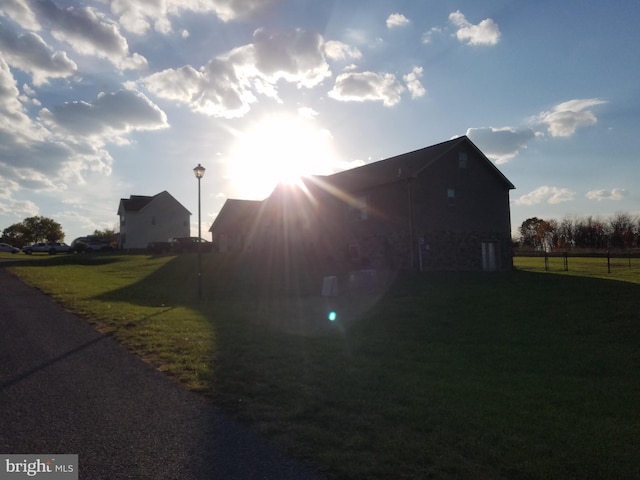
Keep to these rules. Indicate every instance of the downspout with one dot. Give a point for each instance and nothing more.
(411, 224)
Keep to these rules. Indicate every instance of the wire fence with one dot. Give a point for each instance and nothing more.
(605, 261)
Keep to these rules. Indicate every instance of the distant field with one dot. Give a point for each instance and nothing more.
(520, 375)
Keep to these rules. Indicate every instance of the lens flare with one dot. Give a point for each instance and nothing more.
(332, 316)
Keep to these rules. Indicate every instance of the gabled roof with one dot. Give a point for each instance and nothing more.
(236, 211)
(400, 167)
(135, 203)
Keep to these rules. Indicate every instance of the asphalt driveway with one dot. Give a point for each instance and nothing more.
(67, 389)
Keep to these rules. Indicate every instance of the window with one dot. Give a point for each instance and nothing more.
(354, 251)
(451, 196)
(463, 160)
(357, 209)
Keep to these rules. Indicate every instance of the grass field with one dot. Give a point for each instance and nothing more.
(520, 375)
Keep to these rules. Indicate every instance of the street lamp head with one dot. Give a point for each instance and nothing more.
(199, 171)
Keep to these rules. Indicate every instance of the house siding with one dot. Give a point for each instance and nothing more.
(446, 235)
(162, 218)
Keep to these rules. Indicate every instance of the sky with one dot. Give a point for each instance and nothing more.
(104, 99)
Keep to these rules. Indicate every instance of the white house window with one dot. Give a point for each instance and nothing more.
(357, 209)
(451, 196)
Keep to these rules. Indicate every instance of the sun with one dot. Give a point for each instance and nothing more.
(278, 149)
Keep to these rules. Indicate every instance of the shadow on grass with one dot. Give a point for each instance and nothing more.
(44, 260)
(440, 375)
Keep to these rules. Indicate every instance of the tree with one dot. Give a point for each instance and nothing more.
(537, 233)
(621, 230)
(32, 230)
(107, 234)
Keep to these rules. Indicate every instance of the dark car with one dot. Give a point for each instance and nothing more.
(190, 244)
(159, 247)
(5, 247)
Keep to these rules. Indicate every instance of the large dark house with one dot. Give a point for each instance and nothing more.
(444, 207)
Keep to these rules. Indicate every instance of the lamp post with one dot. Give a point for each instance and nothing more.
(199, 172)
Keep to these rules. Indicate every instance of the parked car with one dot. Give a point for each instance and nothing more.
(5, 247)
(158, 247)
(47, 247)
(90, 243)
(190, 244)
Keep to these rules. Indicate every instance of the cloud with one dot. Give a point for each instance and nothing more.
(20, 13)
(501, 144)
(484, 33)
(546, 194)
(336, 50)
(614, 194)
(397, 20)
(565, 118)
(213, 90)
(367, 87)
(227, 86)
(109, 117)
(295, 56)
(29, 53)
(15, 125)
(89, 32)
(413, 82)
(137, 16)
(428, 36)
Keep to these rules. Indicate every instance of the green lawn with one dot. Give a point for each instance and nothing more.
(520, 375)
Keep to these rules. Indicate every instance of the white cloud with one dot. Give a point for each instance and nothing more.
(367, 87)
(397, 20)
(614, 194)
(484, 33)
(20, 13)
(501, 144)
(295, 56)
(565, 118)
(546, 194)
(413, 82)
(137, 16)
(29, 53)
(108, 118)
(214, 90)
(336, 50)
(429, 35)
(89, 32)
(227, 86)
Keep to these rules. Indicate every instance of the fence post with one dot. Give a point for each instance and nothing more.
(608, 262)
(546, 261)
(566, 261)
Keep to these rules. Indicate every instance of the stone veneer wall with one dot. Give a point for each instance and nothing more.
(443, 250)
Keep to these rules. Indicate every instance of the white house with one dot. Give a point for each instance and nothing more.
(146, 219)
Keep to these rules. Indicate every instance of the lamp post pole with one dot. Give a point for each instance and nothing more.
(199, 172)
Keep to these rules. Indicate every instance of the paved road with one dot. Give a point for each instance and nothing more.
(66, 388)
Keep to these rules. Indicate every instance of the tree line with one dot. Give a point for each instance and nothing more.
(619, 231)
(41, 229)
